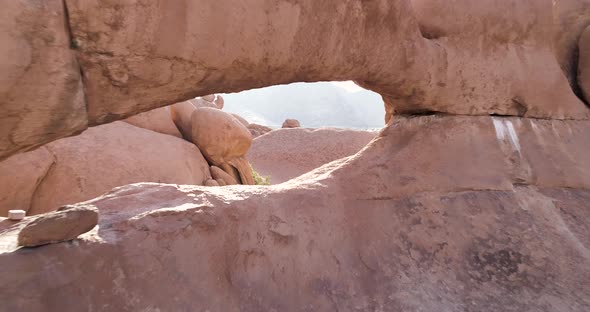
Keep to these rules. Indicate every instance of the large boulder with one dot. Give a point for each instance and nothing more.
(158, 120)
(242, 120)
(182, 112)
(422, 55)
(224, 141)
(284, 154)
(79, 168)
(58, 226)
(257, 130)
(571, 17)
(442, 50)
(218, 174)
(436, 214)
(584, 64)
(181, 116)
(20, 177)
(291, 123)
(41, 95)
(219, 101)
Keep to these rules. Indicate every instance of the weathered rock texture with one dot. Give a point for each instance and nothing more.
(224, 141)
(218, 174)
(79, 168)
(584, 64)
(181, 116)
(58, 226)
(257, 130)
(436, 214)
(570, 19)
(421, 55)
(450, 60)
(288, 153)
(158, 120)
(20, 177)
(41, 96)
(291, 123)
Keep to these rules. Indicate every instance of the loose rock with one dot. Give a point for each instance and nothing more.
(58, 226)
(291, 123)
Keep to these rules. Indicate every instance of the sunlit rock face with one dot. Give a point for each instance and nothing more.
(421, 56)
(411, 53)
(446, 209)
(41, 92)
(436, 213)
(285, 154)
(80, 168)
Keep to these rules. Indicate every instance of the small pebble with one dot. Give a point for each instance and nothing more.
(16, 215)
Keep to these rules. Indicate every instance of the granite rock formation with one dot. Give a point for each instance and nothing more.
(421, 56)
(437, 213)
(284, 154)
(80, 168)
(291, 123)
(584, 64)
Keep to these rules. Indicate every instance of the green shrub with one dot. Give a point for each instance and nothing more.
(258, 179)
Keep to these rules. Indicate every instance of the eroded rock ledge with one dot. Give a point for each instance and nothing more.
(437, 213)
(421, 55)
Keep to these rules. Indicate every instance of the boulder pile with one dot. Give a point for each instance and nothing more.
(155, 146)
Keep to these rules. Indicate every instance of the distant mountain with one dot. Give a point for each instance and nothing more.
(321, 104)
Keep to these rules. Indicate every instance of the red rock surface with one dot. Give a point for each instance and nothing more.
(224, 141)
(80, 168)
(257, 130)
(421, 55)
(455, 211)
(41, 95)
(291, 123)
(584, 64)
(437, 213)
(158, 120)
(284, 154)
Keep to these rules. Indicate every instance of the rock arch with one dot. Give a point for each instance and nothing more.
(118, 58)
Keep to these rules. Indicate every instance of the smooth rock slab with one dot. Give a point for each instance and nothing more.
(59, 226)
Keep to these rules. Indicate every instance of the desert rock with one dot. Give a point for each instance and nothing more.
(570, 18)
(218, 174)
(143, 57)
(436, 72)
(584, 64)
(242, 120)
(211, 182)
(223, 140)
(219, 101)
(58, 226)
(284, 154)
(181, 116)
(20, 177)
(41, 95)
(158, 120)
(257, 130)
(79, 168)
(291, 123)
(433, 202)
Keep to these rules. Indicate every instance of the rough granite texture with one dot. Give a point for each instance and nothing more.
(58, 226)
(284, 154)
(504, 57)
(487, 215)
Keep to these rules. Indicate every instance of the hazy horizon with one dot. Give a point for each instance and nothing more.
(340, 104)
